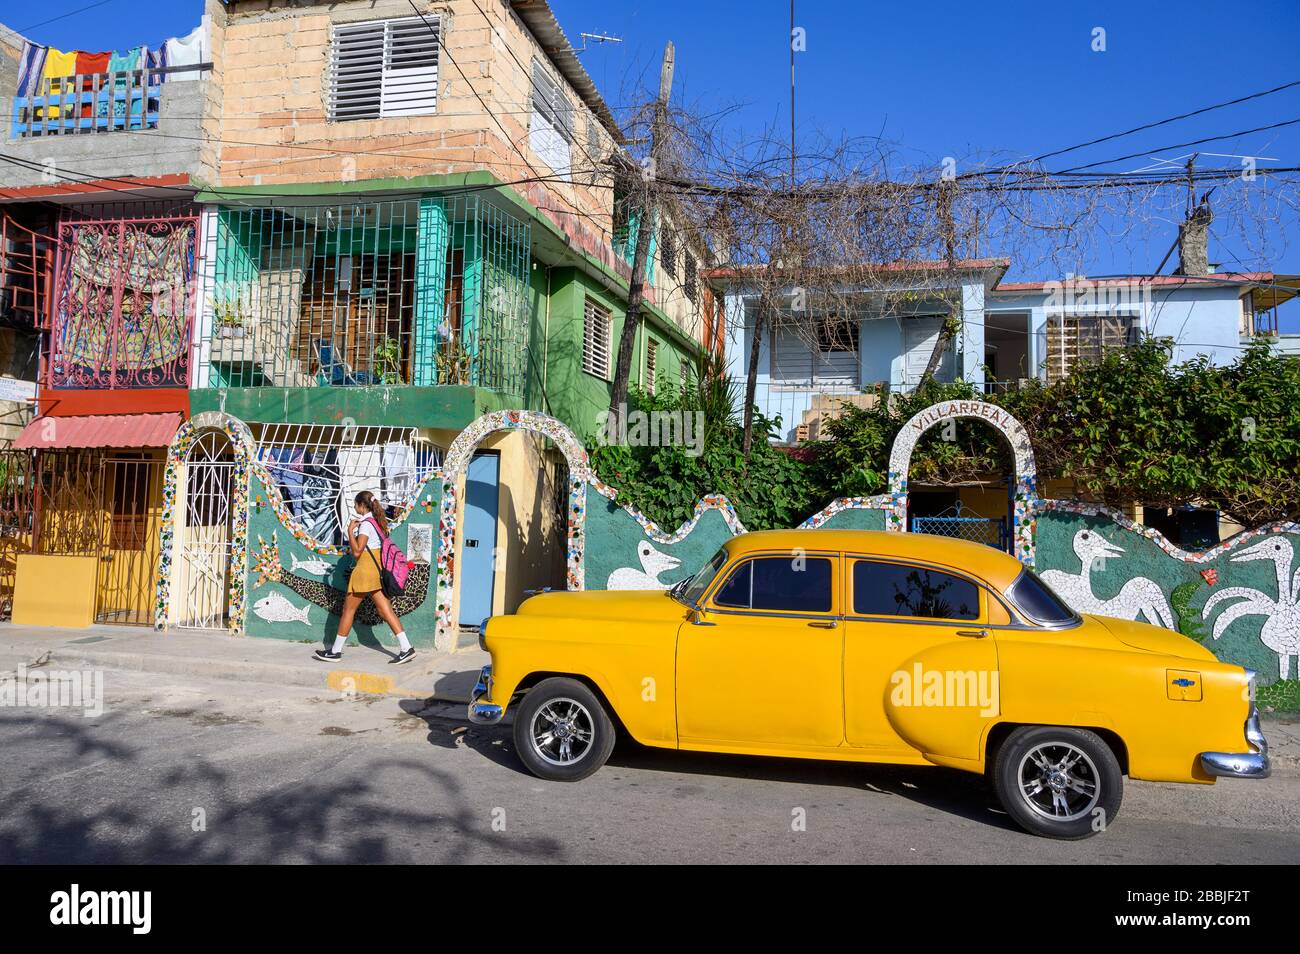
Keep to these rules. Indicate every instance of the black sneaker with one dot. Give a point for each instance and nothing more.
(403, 657)
(325, 655)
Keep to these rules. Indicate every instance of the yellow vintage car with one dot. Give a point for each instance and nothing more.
(866, 646)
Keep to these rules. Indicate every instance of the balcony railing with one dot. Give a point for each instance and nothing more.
(123, 303)
(429, 291)
(123, 101)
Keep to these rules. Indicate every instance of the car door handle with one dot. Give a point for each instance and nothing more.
(825, 623)
(973, 633)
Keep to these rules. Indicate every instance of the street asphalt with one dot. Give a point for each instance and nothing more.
(189, 769)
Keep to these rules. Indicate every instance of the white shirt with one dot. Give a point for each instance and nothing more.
(371, 533)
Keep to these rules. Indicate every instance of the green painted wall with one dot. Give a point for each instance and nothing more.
(398, 406)
(573, 395)
(320, 624)
(1182, 583)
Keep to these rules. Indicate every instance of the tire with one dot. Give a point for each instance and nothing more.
(1071, 804)
(562, 731)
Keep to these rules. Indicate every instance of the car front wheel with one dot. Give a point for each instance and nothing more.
(562, 732)
(1058, 782)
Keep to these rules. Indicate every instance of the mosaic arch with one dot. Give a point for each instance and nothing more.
(242, 447)
(1026, 494)
(453, 468)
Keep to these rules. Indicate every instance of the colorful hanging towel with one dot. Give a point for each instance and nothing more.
(90, 65)
(121, 66)
(59, 67)
(31, 64)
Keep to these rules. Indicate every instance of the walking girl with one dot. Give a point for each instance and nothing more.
(365, 537)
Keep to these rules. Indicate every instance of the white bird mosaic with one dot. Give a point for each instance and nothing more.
(1281, 631)
(1138, 597)
(652, 562)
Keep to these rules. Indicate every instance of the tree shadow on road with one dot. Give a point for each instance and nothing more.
(133, 808)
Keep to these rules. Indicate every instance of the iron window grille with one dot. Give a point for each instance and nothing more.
(429, 291)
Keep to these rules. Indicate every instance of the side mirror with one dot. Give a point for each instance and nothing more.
(698, 617)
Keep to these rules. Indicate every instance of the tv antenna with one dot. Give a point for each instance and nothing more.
(596, 38)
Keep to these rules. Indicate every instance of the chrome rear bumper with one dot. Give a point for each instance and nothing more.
(1253, 764)
(484, 713)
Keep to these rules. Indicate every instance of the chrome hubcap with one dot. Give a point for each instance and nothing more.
(562, 732)
(1059, 782)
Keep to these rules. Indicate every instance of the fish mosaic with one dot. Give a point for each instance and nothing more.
(269, 569)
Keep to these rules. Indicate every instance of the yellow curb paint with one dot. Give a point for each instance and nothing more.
(347, 680)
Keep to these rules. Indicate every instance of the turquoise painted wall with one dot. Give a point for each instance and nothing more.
(613, 535)
(308, 591)
(1183, 584)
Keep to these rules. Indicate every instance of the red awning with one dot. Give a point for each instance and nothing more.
(99, 430)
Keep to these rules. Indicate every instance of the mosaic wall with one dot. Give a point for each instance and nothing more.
(1239, 599)
(295, 585)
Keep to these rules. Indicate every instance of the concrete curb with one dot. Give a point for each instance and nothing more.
(415, 682)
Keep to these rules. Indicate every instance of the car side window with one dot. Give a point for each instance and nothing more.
(779, 584)
(899, 589)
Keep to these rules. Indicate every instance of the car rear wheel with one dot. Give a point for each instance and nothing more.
(1058, 782)
(562, 732)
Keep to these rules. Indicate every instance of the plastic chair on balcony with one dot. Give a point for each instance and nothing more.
(335, 370)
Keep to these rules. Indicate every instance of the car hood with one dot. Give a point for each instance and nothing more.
(640, 605)
(1153, 639)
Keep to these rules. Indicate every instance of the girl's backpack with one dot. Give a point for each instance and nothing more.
(394, 567)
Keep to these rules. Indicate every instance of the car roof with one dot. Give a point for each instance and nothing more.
(993, 566)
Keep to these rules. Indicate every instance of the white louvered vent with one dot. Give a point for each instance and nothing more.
(595, 340)
(384, 68)
(651, 364)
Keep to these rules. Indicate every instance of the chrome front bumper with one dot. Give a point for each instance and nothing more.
(484, 713)
(1253, 764)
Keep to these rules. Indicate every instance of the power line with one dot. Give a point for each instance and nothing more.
(1165, 122)
(64, 16)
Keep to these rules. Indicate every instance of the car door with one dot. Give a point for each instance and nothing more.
(762, 666)
(920, 662)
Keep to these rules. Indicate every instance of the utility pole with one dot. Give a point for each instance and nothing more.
(649, 205)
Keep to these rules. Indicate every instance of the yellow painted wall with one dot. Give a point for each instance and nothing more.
(55, 590)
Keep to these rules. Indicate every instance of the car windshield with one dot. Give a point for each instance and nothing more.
(1036, 600)
(691, 589)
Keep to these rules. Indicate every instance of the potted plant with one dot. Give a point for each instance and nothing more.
(388, 360)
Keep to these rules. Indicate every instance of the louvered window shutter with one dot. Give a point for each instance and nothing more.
(384, 68)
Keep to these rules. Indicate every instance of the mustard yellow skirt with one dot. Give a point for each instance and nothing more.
(365, 575)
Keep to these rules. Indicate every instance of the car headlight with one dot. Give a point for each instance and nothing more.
(482, 633)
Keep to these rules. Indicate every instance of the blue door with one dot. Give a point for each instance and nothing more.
(479, 539)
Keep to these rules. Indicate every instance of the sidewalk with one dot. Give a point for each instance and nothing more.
(447, 677)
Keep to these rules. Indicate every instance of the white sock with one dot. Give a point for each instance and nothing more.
(339, 643)
(402, 641)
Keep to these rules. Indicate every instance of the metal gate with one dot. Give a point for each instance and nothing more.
(991, 532)
(204, 539)
(130, 504)
(17, 506)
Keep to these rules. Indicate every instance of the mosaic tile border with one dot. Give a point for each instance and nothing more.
(241, 442)
(1083, 509)
(454, 466)
(1026, 502)
(718, 502)
(841, 504)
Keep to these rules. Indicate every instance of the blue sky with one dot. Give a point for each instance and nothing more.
(938, 77)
